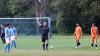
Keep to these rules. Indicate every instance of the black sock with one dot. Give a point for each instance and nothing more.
(95, 45)
(43, 46)
(92, 44)
(46, 46)
(77, 44)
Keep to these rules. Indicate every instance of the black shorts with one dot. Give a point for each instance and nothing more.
(44, 38)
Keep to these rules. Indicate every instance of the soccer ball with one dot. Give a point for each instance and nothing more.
(51, 47)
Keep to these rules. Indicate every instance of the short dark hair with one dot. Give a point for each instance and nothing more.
(93, 23)
(7, 24)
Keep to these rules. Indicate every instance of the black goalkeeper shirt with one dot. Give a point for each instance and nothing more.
(45, 30)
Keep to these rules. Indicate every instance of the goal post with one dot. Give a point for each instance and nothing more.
(25, 24)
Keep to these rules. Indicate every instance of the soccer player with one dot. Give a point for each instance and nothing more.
(13, 36)
(3, 34)
(94, 35)
(78, 35)
(45, 34)
(7, 36)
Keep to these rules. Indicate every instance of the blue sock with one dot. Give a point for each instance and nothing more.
(14, 44)
(6, 47)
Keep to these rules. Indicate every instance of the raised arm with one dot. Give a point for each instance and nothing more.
(38, 22)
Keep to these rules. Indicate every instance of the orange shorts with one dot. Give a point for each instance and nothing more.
(78, 37)
(94, 39)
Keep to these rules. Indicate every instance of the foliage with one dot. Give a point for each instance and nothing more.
(66, 12)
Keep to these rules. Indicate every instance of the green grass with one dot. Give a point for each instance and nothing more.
(63, 46)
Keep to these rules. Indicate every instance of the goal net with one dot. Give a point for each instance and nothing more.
(27, 26)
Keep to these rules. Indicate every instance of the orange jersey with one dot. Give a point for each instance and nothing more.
(94, 31)
(78, 32)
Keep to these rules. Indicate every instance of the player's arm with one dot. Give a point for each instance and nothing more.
(38, 22)
(16, 33)
(81, 33)
(5, 32)
(97, 32)
(91, 31)
(49, 34)
(74, 33)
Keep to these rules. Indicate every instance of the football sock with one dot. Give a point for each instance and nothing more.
(95, 45)
(14, 44)
(77, 44)
(47, 46)
(43, 46)
(92, 44)
(6, 47)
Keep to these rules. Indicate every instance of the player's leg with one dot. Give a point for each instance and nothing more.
(95, 42)
(2, 39)
(92, 39)
(77, 41)
(43, 43)
(13, 43)
(7, 46)
(79, 44)
(46, 42)
(3, 36)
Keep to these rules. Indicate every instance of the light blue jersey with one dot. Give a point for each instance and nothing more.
(13, 31)
(7, 32)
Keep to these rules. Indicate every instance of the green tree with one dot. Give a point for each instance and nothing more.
(75, 11)
(4, 11)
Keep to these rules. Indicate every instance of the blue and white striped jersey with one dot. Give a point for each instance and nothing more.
(13, 31)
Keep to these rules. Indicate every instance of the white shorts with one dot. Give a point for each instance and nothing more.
(7, 40)
(13, 38)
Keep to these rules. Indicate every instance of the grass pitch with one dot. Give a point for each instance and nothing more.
(62, 46)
